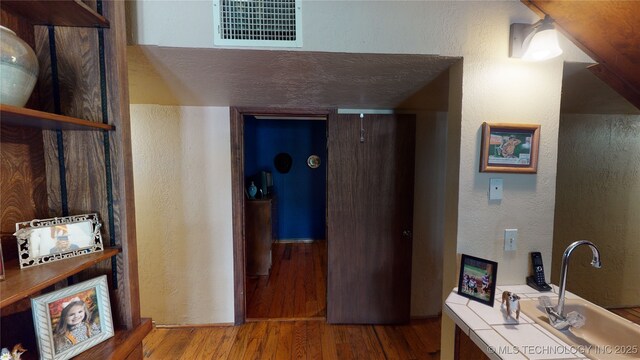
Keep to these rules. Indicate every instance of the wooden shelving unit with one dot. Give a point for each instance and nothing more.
(58, 13)
(20, 284)
(16, 116)
(44, 173)
(120, 345)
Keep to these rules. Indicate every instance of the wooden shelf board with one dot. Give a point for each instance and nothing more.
(19, 284)
(34, 118)
(120, 345)
(59, 13)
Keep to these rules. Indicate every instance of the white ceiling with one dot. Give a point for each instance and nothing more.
(295, 79)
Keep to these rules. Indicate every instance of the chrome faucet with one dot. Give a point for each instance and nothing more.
(557, 317)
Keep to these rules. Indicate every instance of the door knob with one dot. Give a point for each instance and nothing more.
(407, 234)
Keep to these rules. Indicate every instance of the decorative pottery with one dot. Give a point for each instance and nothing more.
(253, 190)
(18, 67)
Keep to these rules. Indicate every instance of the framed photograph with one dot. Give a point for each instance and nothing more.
(478, 279)
(72, 320)
(44, 241)
(510, 148)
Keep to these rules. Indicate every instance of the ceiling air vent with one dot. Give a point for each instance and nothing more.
(258, 23)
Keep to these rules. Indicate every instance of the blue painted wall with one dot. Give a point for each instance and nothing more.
(301, 193)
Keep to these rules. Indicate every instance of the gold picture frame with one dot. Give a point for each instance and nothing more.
(510, 148)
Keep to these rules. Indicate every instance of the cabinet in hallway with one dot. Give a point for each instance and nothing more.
(259, 236)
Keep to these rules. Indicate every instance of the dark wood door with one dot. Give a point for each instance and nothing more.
(369, 218)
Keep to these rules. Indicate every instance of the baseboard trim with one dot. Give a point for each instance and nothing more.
(297, 241)
(180, 326)
(426, 317)
(317, 318)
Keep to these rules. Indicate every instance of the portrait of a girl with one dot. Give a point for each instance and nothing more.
(74, 325)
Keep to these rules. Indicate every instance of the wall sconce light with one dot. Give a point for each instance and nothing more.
(534, 42)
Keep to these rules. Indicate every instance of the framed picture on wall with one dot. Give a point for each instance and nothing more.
(478, 279)
(509, 148)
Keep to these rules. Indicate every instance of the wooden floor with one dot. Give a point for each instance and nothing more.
(631, 314)
(297, 284)
(296, 289)
(310, 339)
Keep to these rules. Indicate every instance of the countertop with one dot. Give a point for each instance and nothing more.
(505, 338)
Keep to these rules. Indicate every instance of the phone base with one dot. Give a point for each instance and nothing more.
(540, 287)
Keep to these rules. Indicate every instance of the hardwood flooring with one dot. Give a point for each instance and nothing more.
(309, 339)
(631, 314)
(296, 286)
(296, 289)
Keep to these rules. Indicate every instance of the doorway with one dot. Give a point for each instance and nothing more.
(285, 220)
(244, 287)
(369, 237)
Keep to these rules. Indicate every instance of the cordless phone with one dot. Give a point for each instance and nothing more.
(536, 280)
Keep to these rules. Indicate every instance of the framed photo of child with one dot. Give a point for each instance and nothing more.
(478, 279)
(72, 320)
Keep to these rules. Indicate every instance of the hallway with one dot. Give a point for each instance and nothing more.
(296, 287)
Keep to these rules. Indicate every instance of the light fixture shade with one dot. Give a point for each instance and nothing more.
(543, 46)
(536, 42)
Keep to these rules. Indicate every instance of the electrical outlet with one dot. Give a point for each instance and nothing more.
(510, 239)
(495, 189)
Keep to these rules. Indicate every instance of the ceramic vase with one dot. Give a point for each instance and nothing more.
(19, 69)
(253, 190)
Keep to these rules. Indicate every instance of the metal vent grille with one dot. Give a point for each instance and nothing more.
(258, 22)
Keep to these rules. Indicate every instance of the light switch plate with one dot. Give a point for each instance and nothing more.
(495, 189)
(510, 239)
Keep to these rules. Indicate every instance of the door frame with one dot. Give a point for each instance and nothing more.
(237, 192)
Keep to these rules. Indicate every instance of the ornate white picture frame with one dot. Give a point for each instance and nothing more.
(48, 240)
(72, 320)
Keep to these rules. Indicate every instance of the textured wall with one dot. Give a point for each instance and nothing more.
(598, 199)
(426, 273)
(183, 213)
(448, 28)
(494, 88)
(512, 92)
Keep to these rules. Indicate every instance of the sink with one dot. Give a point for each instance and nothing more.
(605, 335)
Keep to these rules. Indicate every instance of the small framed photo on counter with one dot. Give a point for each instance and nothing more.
(477, 279)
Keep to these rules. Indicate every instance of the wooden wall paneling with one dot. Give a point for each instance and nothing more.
(620, 85)
(22, 182)
(78, 77)
(121, 163)
(22, 171)
(607, 31)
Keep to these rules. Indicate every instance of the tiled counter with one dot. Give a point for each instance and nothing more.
(500, 337)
